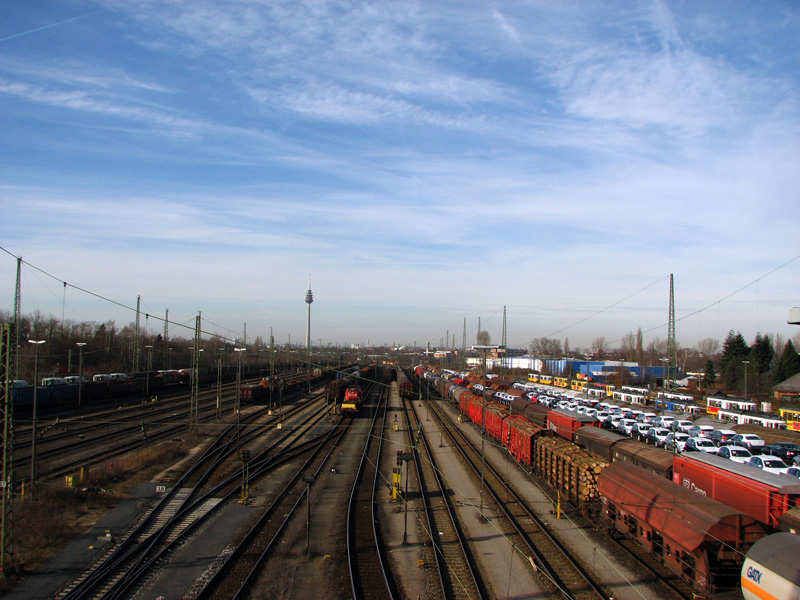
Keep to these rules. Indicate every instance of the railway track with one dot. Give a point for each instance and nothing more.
(241, 566)
(81, 442)
(561, 573)
(370, 575)
(668, 584)
(124, 568)
(458, 578)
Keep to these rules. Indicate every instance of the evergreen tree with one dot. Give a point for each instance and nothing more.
(710, 376)
(734, 351)
(761, 354)
(789, 364)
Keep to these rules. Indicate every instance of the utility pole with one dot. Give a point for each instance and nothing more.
(504, 337)
(219, 387)
(194, 410)
(136, 340)
(166, 335)
(484, 349)
(271, 367)
(7, 354)
(672, 344)
(15, 337)
(309, 300)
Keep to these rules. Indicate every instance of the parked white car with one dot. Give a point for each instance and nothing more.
(682, 425)
(676, 438)
(664, 421)
(602, 416)
(640, 431)
(700, 444)
(771, 464)
(701, 431)
(749, 440)
(626, 426)
(657, 436)
(735, 453)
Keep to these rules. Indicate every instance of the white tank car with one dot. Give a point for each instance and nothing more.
(771, 570)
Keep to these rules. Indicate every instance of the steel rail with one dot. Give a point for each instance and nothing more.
(367, 561)
(552, 557)
(458, 574)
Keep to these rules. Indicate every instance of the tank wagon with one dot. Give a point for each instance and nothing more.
(771, 569)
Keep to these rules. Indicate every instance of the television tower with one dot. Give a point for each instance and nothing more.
(309, 300)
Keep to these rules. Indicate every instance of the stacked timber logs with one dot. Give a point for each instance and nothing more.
(569, 469)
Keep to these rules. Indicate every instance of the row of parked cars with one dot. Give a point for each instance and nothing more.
(682, 435)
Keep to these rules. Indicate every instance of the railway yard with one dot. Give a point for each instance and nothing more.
(375, 482)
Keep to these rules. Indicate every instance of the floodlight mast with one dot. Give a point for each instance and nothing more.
(484, 349)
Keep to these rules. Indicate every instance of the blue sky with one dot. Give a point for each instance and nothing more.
(424, 162)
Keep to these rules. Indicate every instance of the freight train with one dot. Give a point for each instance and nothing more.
(633, 489)
(105, 388)
(345, 393)
(98, 391)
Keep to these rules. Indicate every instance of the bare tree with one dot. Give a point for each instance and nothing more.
(656, 349)
(708, 347)
(599, 348)
(628, 346)
(546, 347)
(484, 339)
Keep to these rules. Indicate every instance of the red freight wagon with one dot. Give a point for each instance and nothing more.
(404, 384)
(500, 385)
(701, 540)
(655, 460)
(253, 393)
(765, 496)
(564, 423)
(465, 399)
(599, 441)
(476, 411)
(495, 415)
(521, 435)
(535, 413)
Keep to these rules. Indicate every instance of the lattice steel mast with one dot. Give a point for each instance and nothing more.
(672, 344)
(194, 410)
(136, 340)
(7, 483)
(504, 337)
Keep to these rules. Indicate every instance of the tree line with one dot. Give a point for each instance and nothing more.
(769, 360)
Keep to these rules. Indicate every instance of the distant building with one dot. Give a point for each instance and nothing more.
(788, 389)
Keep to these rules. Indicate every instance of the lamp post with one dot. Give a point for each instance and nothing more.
(663, 374)
(745, 363)
(483, 419)
(80, 346)
(37, 343)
